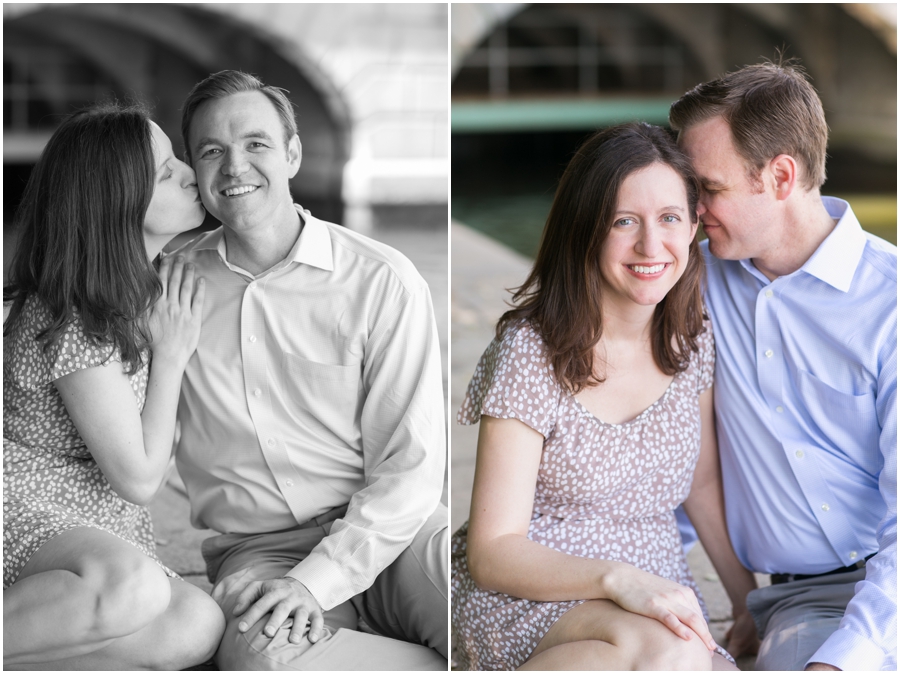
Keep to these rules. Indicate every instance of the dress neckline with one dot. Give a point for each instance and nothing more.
(586, 412)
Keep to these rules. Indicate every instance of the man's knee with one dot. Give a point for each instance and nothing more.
(788, 646)
(427, 553)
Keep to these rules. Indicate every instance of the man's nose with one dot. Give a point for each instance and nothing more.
(235, 163)
(701, 206)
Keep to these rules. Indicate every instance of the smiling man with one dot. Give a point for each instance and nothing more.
(313, 436)
(803, 303)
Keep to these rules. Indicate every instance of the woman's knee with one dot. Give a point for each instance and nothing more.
(130, 592)
(658, 648)
(193, 629)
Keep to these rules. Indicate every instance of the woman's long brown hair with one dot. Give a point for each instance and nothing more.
(561, 298)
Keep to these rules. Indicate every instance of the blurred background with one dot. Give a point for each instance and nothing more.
(530, 81)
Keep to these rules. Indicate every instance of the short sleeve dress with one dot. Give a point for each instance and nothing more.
(51, 484)
(605, 491)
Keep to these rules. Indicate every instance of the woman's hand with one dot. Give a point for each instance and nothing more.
(176, 316)
(646, 594)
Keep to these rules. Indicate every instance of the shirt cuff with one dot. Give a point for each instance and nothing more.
(324, 579)
(849, 651)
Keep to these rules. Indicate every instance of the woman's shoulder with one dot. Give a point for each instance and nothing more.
(33, 363)
(704, 360)
(513, 379)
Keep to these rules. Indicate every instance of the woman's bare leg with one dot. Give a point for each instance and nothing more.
(86, 590)
(186, 634)
(600, 635)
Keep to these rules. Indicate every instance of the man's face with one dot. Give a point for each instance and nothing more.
(242, 164)
(735, 211)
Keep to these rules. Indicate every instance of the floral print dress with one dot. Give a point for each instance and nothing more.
(604, 491)
(51, 484)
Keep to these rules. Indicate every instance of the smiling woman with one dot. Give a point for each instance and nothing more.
(595, 406)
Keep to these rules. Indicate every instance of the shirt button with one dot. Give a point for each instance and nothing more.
(289, 483)
(769, 353)
(769, 293)
(853, 554)
(252, 338)
(257, 392)
(270, 442)
(253, 286)
(799, 453)
(780, 409)
(826, 507)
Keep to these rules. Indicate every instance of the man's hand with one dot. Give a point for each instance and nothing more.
(742, 638)
(820, 667)
(283, 597)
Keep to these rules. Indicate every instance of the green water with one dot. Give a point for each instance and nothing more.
(518, 220)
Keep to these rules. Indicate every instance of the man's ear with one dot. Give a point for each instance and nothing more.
(295, 154)
(784, 173)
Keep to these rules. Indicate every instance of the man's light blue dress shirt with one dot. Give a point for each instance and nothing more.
(806, 410)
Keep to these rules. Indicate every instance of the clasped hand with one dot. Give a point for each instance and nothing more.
(283, 597)
(671, 603)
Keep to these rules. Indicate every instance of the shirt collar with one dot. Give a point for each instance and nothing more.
(313, 246)
(837, 257)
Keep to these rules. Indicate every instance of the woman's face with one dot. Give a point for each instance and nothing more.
(646, 251)
(175, 206)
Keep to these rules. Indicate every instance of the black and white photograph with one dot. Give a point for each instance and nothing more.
(450, 336)
(225, 336)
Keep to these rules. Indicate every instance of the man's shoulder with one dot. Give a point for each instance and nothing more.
(369, 255)
(201, 242)
(881, 255)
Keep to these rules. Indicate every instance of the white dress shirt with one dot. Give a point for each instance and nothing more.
(806, 411)
(316, 384)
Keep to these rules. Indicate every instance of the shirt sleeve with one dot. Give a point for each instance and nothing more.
(404, 452)
(514, 380)
(868, 631)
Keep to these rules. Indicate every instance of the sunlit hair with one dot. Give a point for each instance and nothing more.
(771, 109)
(562, 296)
(81, 245)
(227, 83)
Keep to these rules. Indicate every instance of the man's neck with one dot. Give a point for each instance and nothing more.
(258, 249)
(807, 224)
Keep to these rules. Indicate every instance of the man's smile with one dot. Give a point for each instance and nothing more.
(239, 190)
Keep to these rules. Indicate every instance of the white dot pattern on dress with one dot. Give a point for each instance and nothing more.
(51, 484)
(604, 491)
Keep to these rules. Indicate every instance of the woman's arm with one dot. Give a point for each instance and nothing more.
(133, 449)
(705, 506)
(503, 559)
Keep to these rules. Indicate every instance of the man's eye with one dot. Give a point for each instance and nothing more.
(211, 152)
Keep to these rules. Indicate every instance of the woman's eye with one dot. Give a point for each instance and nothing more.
(624, 222)
(670, 218)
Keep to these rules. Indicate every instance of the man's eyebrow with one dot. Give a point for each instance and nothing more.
(256, 133)
(708, 183)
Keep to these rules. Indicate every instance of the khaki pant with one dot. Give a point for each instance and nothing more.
(406, 607)
(794, 619)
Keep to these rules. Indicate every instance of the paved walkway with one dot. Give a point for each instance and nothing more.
(482, 268)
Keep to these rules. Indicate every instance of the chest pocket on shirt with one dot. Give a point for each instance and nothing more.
(848, 422)
(328, 398)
